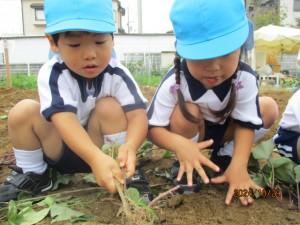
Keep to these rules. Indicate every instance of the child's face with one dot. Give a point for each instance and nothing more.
(212, 72)
(87, 54)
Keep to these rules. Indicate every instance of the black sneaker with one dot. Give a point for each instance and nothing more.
(140, 182)
(29, 182)
(184, 188)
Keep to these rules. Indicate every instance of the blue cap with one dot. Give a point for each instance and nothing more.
(207, 29)
(79, 15)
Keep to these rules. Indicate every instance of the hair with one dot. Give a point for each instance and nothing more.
(56, 36)
(223, 114)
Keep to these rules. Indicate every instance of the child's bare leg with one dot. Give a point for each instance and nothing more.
(269, 112)
(31, 136)
(29, 131)
(180, 125)
(107, 118)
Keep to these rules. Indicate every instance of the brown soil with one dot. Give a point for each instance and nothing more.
(205, 207)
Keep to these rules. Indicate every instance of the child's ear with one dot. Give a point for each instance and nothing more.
(52, 43)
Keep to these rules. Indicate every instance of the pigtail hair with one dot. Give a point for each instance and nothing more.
(181, 102)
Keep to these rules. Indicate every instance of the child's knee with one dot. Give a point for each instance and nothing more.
(180, 125)
(109, 115)
(108, 107)
(23, 112)
(269, 111)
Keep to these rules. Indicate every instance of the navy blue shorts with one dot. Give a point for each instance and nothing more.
(286, 143)
(216, 132)
(69, 163)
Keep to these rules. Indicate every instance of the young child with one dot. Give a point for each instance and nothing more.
(210, 97)
(87, 98)
(287, 138)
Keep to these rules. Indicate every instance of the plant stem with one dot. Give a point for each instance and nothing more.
(58, 194)
(162, 195)
(123, 199)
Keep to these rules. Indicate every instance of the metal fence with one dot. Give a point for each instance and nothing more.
(139, 63)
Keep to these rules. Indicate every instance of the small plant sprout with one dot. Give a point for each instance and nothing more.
(135, 211)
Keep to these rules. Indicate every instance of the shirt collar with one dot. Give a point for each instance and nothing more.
(197, 90)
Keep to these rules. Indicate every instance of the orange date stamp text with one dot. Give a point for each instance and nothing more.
(274, 193)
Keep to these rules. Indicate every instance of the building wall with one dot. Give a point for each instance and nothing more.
(36, 49)
(32, 27)
(153, 50)
(129, 47)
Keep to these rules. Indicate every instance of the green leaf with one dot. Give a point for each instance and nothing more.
(63, 213)
(110, 149)
(253, 164)
(284, 169)
(32, 217)
(3, 117)
(297, 172)
(168, 154)
(133, 194)
(81, 218)
(106, 149)
(12, 215)
(258, 178)
(149, 209)
(48, 201)
(65, 179)
(90, 178)
(264, 150)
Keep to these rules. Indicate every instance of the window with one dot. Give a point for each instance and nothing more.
(296, 5)
(39, 14)
(38, 11)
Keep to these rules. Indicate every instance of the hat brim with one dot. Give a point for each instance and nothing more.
(216, 47)
(81, 25)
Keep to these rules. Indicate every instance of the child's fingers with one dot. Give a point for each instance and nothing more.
(219, 179)
(205, 144)
(122, 157)
(229, 197)
(202, 174)
(210, 164)
(180, 172)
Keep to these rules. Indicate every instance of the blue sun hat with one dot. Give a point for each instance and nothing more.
(79, 15)
(207, 29)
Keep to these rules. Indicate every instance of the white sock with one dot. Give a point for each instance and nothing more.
(115, 138)
(228, 147)
(195, 139)
(30, 161)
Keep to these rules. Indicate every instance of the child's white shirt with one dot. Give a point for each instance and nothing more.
(245, 113)
(61, 90)
(290, 119)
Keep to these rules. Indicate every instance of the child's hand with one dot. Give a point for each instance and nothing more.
(106, 170)
(192, 158)
(127, 159)
(238, 179)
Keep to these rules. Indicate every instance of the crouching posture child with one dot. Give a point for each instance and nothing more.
(87, 98)
(210, 99)
(287, 138)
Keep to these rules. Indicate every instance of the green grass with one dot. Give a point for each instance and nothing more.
(20, 81)
(146, 80)
(30, 82)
